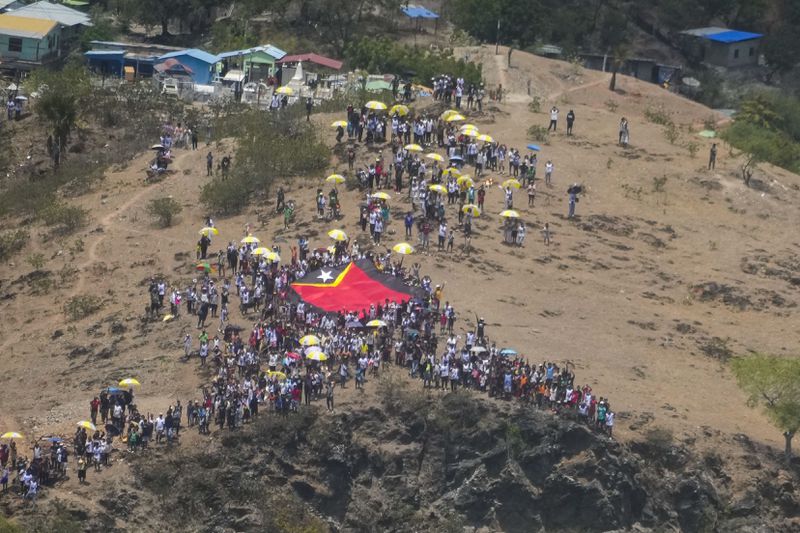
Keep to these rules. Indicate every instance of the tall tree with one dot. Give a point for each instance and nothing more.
(773, 383)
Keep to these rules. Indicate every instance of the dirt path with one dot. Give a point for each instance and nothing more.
(108, 222)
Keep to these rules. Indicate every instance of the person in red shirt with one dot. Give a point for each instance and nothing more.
(481, 196)
(94, 406)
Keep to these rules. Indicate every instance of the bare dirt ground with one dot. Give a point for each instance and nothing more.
(647, 291)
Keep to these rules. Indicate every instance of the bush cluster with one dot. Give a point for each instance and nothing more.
(386, 56)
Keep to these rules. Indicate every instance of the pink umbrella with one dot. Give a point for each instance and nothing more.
(293, 355)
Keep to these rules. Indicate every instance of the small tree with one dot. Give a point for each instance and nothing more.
(164, 210)
(774, 383)
(748, 167)
(59, 99)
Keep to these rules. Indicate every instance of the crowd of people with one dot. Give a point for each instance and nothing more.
(293, 354)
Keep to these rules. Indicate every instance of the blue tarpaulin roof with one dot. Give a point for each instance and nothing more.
(733, 36)
(418, 12)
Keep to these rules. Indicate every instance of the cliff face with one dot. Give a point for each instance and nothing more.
(419, 464)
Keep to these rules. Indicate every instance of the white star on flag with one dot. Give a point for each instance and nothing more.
(325, 276)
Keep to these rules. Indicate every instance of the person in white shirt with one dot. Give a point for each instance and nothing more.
(548, 173)
(159, 427)
(553, 119)
(609, 423)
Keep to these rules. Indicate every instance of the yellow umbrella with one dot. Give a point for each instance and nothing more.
(337, 235)
(87, 425)
(209, 230)
(317, 356)
(11, 435)
(129, 382)
(374, 104)
(273, 257)
(472, 209)
(250, 240)
(309, 340)
(413, 148)
(285, 90)
(438, 188)
(449, 113)
(465, 181)
(435, 157)
(261, 251)
(486, 138)
(471, 133)
(455, 118)
(511, 182)
(339, 123)
(376, 324)
(400, 109)
(276, 374)
(403, 248)
(167, 318)
(509, 213)
(335, 178)
(468, 127)
(382, 195)
(451, 171)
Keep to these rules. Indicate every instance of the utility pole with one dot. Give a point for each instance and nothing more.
(497, 42)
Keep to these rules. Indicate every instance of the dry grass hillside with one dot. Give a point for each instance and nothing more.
(667, 271)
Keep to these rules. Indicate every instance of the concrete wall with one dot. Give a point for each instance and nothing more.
(733, 54)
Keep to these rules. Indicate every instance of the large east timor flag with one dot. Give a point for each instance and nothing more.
(351, 287)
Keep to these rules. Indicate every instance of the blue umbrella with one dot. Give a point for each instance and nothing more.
(456, 158)
(54, 439)
(508, 352)
(533, 147)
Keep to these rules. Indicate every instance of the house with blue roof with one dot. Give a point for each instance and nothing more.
(723, 47)
(197, 64)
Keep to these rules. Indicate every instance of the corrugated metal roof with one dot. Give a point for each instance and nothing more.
(418, 12)
(66, 16)
(733, 36)
(105, 53)
(703, 32)
(31, 28)
(268, 49)
(195, 53)
(313, 58)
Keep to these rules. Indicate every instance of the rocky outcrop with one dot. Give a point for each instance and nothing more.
(415, 464)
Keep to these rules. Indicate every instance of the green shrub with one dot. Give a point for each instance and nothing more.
(383, 55)
(6, 526)
(226, 197)
(535, 106)
(63, 218)
(657, 115)
(36, 261)
(693, 148)
(270, 145)
(12, 242)
(79, 307)
(164, 210)
(539, 134)
(671, 132)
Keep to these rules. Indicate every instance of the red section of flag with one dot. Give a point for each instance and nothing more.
(356, 291)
